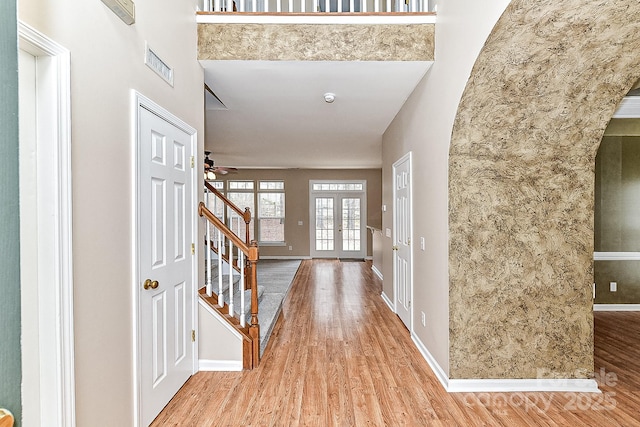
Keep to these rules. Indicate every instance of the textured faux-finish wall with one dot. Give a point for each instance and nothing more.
(10, 365)
(423, 126)
(338, 42)
(106, 64)
(521, 186)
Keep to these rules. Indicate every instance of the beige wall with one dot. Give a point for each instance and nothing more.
(296, 182)
(217, 343)
(423, 127)
(106, 63)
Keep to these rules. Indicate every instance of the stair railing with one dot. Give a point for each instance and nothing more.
(241, 257)
(233, 217)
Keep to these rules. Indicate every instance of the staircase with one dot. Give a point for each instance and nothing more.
(231, 287)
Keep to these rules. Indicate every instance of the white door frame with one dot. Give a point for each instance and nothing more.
(140, 101)
(406, 157)
(55, 311)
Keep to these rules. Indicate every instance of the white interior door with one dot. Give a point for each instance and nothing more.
(402, 230)
(165, 281)
(338, 214)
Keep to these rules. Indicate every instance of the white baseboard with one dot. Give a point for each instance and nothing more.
(386, 299)
(284, 257)
(376, 272)
(220, 365)
(523, 385)
(504, 385)
(616, 307)
(435, 366)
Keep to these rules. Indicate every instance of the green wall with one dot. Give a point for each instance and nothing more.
(617, 218)
(10, 366)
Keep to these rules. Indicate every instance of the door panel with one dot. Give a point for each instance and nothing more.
(166, 288)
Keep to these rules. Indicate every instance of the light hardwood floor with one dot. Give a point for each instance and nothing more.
(339, 357)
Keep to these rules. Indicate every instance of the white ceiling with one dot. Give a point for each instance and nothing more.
(276, 116)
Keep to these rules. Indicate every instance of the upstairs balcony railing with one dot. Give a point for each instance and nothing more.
(319, 6)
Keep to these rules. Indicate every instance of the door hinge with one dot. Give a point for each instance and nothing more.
(193, 335)
(193, 162)
(193, 249)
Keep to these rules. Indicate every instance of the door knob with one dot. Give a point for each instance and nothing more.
(149, 284)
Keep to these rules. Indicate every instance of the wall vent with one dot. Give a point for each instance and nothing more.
(161, 68)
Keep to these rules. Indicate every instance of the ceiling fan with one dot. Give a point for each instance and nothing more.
(210, 170)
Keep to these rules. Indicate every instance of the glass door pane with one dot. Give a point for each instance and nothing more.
(351, 226)
(324, 224)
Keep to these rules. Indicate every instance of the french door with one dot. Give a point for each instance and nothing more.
(337, 218)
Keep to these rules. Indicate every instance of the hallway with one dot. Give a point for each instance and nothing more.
(339, 357)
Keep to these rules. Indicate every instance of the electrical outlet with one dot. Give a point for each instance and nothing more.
(300, 222)
(422, 243)
(290, 248)
(423, 319)
(613, 286)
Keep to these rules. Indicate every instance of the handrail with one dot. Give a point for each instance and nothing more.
(203, 211)
(246, 215)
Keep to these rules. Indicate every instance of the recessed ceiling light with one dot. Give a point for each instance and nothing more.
(329, 97)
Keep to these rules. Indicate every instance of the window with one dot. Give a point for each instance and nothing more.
(214, 204)
(241, 193)
(271, 212)
(338, 186)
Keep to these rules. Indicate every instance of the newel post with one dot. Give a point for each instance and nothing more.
(254, 326)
